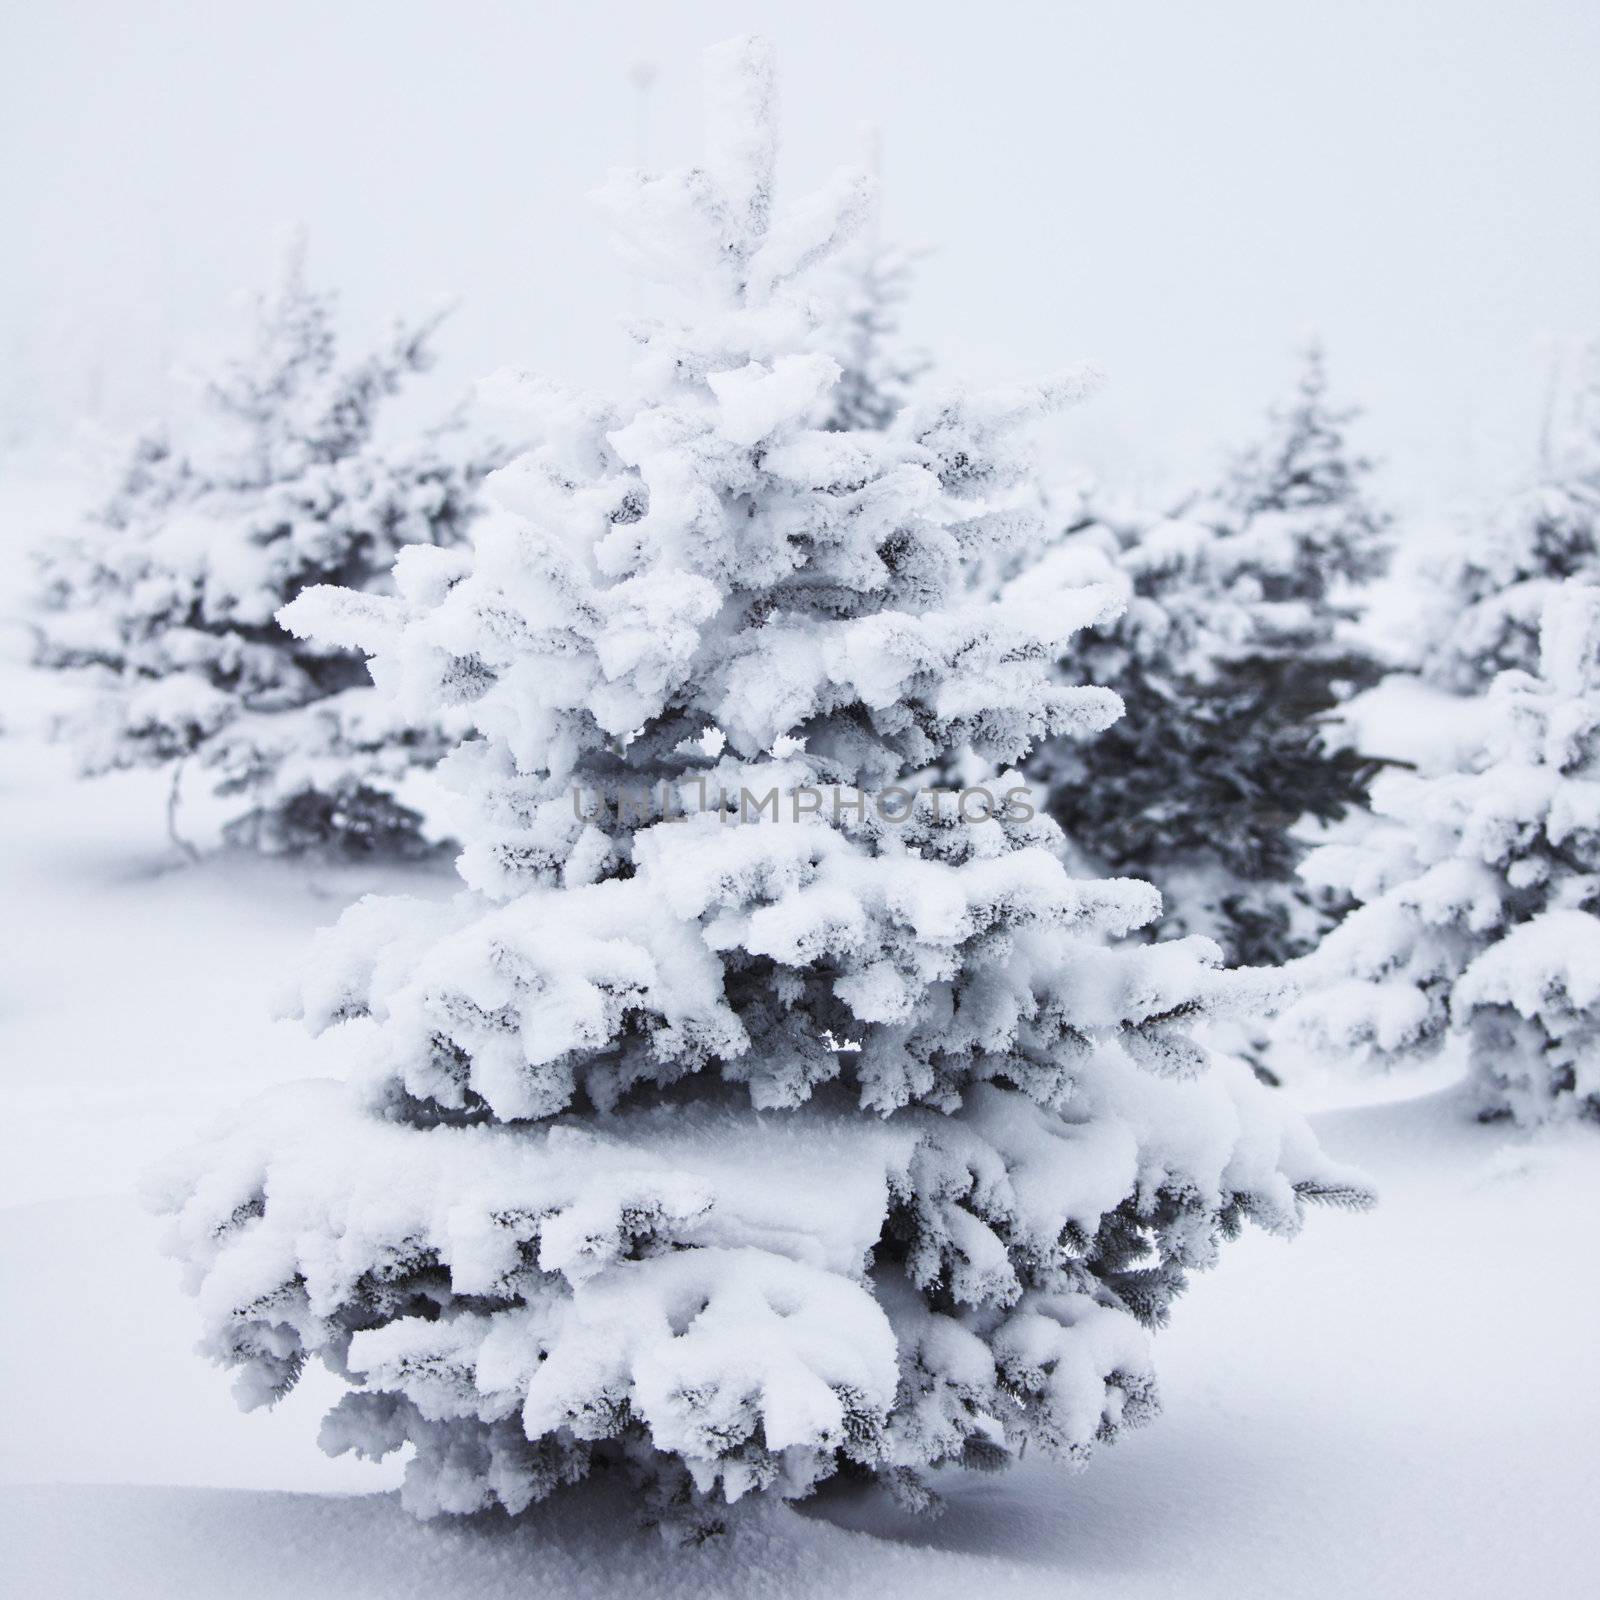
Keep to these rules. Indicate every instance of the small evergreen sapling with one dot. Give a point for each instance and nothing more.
(1479, 896)
(167, 595)
(810, 1128)
(1231, 653)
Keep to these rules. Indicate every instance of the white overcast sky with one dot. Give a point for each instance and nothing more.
(1180, 191)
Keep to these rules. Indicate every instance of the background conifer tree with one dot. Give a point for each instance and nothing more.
(1479, 891)
(1233, 649)
(879, 372)
(167, 594)
(1492, 584)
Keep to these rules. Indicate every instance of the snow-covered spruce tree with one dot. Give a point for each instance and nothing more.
(1231, 652)
(1492, 583)
(1479, 895)
(816, 1124)
(166, 597)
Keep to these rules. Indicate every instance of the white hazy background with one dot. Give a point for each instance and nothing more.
(1180, 191)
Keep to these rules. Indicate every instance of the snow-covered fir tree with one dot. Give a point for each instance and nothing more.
(758, 1113)
(165, 599)
(1491, 585)
(1480, 895)
(1233, 648)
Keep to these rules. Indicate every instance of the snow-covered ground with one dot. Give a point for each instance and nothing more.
(1398, 1403)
